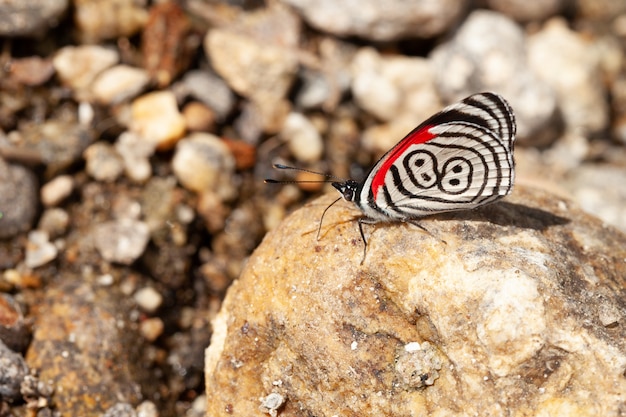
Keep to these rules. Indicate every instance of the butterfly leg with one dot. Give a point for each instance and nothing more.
(416, 224)
(362, 221)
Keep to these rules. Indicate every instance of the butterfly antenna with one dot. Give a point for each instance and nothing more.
(319, 229)
(330, 177)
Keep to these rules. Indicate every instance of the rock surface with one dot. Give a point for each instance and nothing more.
(380, 21)
(520, 310)
(19, 201)
(30, 17)
(84, 347)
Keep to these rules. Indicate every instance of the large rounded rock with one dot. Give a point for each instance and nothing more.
(519, 311)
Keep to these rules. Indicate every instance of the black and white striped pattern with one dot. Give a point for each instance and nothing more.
(458, 159)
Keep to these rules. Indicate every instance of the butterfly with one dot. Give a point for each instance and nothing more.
(458, 159)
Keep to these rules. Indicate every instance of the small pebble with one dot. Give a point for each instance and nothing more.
(12, 373)
(18, 202)
(199, 117)
(31, 71)
(21, 279)
(198, 407)
(54, 221)
(105, 280)
(315, 91)
(303, 139)
(184, 214)
(103, 162)
(156, 118)
(272, 403)
(211, 90)
(78, 66)
(56, 190)
(135, 154)
(86, 113)
(119, 83)
(97, 21)
(124, 206)
(244, 153)
(120, 410)
(30, 18)
(39, 250)
(310, 181)
(203, 163)
(148, 299)
(15, 330)
(122, 240)
(151, 328)
(147, 409)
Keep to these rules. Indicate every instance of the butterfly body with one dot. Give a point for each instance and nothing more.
(458, 159)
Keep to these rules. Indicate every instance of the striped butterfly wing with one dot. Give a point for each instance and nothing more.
(458, 159)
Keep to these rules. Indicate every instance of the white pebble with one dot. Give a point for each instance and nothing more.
(203, 163)
(78, 66)
(135, 154)
(56, 190)
(303, 139)
(151, 328)
(39, 250)
(147, 409)
(148, 299)
(122, 240)
(119, 83)
(156, 118)
(103, 162)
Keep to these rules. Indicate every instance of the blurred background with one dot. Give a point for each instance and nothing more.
(135, 136)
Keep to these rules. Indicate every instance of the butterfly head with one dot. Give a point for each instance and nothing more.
(348, 189)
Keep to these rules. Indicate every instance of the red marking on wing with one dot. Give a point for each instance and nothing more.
(421, 135)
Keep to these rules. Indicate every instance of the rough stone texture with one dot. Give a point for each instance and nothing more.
(85, 345)
(18, 204)
(29, 17)
(55, 143)
(13, 369)
(522, 307)
(122, 240)
(380, 21)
